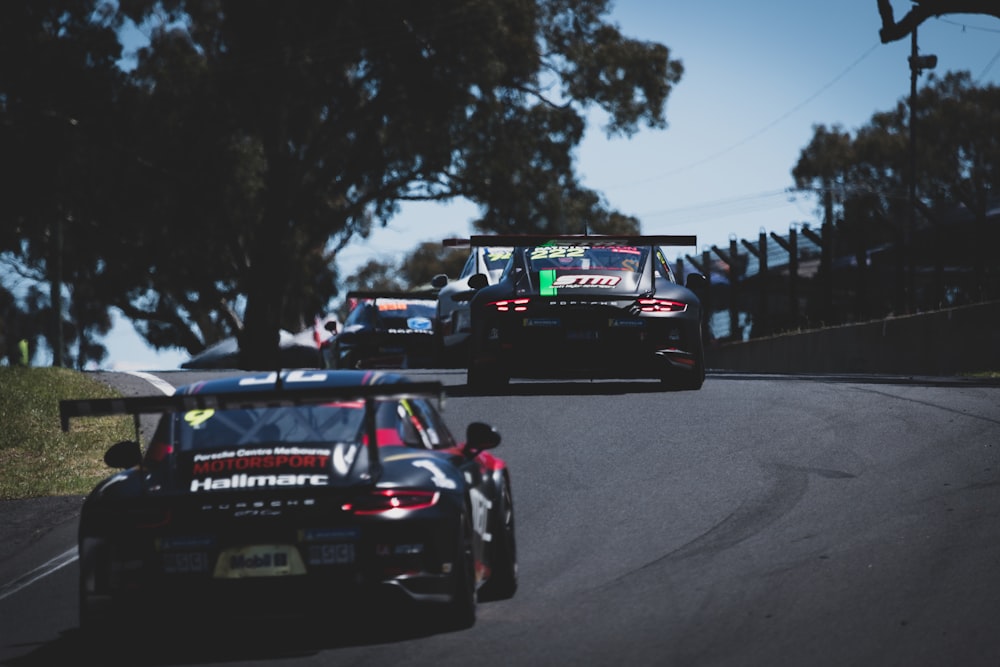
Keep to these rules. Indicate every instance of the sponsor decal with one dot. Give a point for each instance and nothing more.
(419, 323)
(330, 554)
(270, 560)
(411, 330)
(244, 481)
(571, 281)
(291, 458)
(481, 506)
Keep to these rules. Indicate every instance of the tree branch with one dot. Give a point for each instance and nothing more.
(893, 30)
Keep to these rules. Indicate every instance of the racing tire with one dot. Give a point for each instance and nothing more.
(460, 612)
(685, 379)
(502, 583)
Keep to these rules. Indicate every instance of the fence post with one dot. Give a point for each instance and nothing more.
(760, 325)
(732, 273)
(792, 246)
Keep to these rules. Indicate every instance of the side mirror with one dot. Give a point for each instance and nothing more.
(696, 282)
(480, 436)
(478, 281)
(124, 454)
(439, 281)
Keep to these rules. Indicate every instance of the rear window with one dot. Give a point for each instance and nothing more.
(586, 258)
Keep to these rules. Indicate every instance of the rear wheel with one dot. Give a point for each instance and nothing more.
(460, 613)
(502, 583)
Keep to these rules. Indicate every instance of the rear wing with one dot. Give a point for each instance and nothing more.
(239, 400)
(596, 240)
(430, 295)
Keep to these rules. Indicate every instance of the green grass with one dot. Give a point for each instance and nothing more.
(36, 457)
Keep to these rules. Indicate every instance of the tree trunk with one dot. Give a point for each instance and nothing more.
(259, 340)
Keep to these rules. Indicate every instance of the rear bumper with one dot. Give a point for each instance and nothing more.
(608, 347)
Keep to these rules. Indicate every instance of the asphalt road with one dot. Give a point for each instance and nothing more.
(759, 521)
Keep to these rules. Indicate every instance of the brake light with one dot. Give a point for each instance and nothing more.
(508, 305)
(385, 501)
(661, 306)
(159, 451)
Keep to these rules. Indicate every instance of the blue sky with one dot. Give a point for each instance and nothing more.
(758, 77)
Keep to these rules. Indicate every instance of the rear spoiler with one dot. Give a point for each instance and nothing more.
(528, 240)
(137, 405)
(284, 397)
(388, 294)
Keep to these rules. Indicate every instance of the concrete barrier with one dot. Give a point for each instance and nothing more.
(954, 341)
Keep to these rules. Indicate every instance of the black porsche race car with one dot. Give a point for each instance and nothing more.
(294, 494)
(385, 330)
(582, 306)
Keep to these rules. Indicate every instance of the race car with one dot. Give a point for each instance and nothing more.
(385, 330)
(453, 325)
(294, 493)
(584, 306)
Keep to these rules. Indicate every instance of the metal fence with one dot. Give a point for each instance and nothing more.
(811, 278)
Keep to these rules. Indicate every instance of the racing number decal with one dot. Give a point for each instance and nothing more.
(556, 251)
(195, 418)
(481, 506)
(293, 376)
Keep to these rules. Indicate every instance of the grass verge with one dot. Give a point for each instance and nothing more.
(36, 457)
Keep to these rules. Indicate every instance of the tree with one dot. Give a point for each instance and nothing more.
(253, 140)
(353, 107)
(867, 176)
(59, 83)
(922, 10)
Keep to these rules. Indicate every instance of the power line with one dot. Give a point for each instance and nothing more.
(765, 128)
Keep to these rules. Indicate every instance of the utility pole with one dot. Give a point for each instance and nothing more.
(918, 64)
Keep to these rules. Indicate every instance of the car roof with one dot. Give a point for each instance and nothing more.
(292, 379)
(265, 389)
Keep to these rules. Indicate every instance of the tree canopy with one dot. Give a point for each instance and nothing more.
(207, 190)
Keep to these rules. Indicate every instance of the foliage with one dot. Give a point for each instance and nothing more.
(36, 457)
(865, 179)
(59, 83)
(253, 140)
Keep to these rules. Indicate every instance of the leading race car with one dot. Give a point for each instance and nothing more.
(572, 306)
(294, 494)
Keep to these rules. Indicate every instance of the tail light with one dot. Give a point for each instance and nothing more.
(385, 501)
(661, 306)
(510, 305)
(158, 452)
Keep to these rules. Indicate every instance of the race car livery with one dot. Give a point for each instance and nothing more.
(584, 306)
(293, 494)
